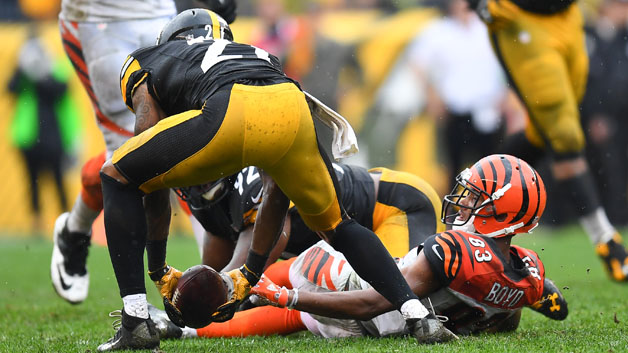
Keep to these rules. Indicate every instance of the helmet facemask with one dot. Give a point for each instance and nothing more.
(466, 196)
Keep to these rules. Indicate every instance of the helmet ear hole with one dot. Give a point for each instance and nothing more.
(501, 217)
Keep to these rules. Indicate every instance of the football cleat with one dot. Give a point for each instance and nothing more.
(68, 269)
(430, 330)
(552, 304)
(132, 333)
(615, 258)
(166, 328)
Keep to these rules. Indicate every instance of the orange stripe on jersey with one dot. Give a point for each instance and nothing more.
(316, 266)
(452, 260)
(447, 252)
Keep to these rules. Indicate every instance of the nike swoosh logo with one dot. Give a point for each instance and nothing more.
(259, 196)
(436, 251)
(63, 284)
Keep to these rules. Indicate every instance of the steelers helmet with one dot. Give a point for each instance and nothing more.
(195, 23)
(504, 194)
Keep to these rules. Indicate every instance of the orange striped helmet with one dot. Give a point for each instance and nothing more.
(504, 196)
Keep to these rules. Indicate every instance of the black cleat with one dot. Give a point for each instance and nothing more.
(430, 330)
(166, 328)
(552, 304)
(133, 333)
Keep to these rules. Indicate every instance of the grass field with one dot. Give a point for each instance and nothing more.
(34, 319)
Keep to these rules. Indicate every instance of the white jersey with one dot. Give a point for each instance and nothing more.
(323, 269)
(115, 10)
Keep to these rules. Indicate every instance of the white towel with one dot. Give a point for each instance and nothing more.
(344, 143)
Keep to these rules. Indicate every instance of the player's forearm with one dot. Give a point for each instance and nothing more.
(343, 305)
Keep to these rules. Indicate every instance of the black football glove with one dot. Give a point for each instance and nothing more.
(225, 8)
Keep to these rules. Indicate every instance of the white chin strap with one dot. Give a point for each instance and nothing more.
(467, 227)
(506, 231)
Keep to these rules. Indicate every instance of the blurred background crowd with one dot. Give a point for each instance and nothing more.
(416, 78)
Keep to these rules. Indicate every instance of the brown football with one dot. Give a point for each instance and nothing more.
(199, 292)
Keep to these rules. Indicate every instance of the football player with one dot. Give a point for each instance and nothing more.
(205, 108)
(541, 45)
(471, 275)
(97, 37)
(399, 207)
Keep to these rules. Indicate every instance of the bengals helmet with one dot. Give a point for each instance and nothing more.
(194, 23)
(504, 194)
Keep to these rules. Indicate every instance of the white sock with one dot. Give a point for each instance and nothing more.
(413, 309)
(136, 305)
(597, 226)
(189, 332)
(81, 217)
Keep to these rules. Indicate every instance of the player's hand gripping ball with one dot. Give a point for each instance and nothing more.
(200, 291)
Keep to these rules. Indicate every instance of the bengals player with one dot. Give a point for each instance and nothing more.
(470, 274)
(206, 107)
(401, 208)
(541, 45)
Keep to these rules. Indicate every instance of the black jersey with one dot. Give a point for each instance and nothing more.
(181, 74)
(238, 210)
(544, 6)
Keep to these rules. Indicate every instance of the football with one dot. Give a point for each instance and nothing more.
(199, 292)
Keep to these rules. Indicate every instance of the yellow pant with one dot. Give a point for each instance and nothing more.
(407, 211)
(265, 126)
(546, 60)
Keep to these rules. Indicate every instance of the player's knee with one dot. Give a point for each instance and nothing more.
(567, 141)
(110, 171)
(90, 173)
(346, 226)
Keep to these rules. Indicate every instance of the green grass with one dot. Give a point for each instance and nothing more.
(34, 319)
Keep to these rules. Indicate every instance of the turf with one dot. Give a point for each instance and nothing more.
(34, 319)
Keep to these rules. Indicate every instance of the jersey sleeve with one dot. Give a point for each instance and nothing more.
(444, 254)
(131, 76)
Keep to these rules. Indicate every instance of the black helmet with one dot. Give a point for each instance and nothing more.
(195, 23)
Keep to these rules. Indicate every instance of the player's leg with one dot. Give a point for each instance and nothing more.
(72, 236)
(306, 177)
(548, 75)
(406, 211)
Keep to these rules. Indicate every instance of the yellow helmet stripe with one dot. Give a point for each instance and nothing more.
(215, 25)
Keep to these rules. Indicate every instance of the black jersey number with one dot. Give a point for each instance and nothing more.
(215, 54)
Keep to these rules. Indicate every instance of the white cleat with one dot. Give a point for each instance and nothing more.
(68, 271)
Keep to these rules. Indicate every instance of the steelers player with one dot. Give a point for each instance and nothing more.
(205, 108)
(399, 207)
(541, 46)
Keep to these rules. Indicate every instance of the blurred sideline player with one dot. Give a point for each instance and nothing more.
(541, 45)
(97, 36)
(399, 207)
(472, 274)
(205, 108)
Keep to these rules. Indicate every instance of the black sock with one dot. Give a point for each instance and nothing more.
(125, 226)
(156, 254)
(254, 267)
(581, 191)
(372, 262)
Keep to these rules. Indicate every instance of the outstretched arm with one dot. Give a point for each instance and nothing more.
(361, 304)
